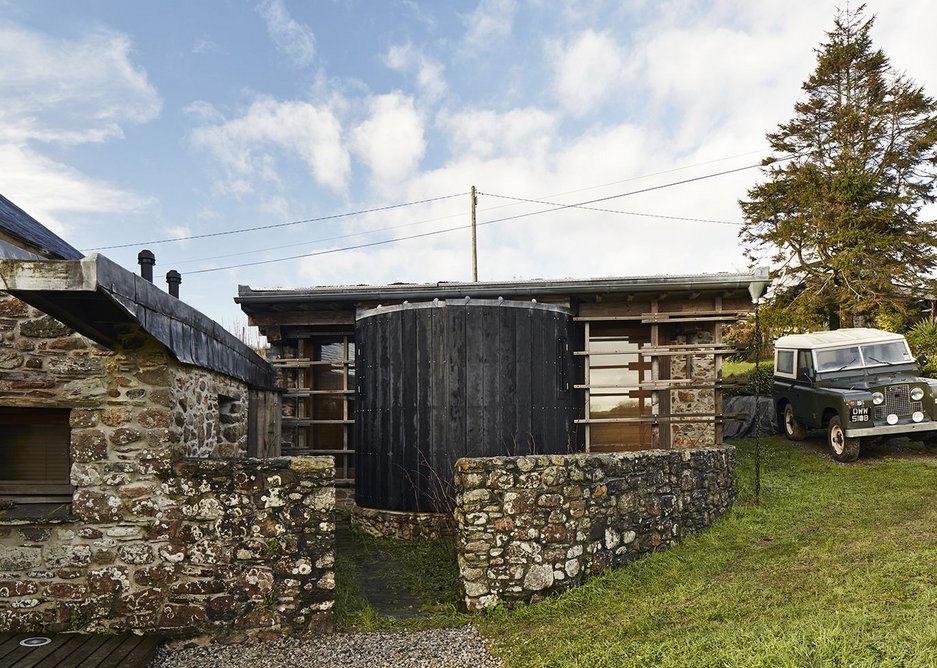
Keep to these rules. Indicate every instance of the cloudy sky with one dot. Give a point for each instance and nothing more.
(129, 123)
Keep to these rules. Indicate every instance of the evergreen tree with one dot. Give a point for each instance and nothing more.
(840, 218)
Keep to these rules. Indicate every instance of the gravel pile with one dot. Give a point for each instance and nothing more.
(437, 648)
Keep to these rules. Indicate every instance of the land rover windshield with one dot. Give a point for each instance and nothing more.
(865, 356)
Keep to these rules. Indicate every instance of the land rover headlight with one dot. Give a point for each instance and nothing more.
(917, 393)
(878, 398)
(892, 418)
(917, 416)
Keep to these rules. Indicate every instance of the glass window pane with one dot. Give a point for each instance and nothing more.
(328, 407)
(328, 377)
(328, 437)
(838, 359)
(893, 352)
(329, 351)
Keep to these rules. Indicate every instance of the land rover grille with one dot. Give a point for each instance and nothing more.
(897, 401)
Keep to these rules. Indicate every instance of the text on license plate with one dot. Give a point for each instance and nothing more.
(859, 414)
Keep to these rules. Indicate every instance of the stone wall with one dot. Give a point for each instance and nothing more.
(137, 402)
(211, 415)
(230, 548)
(701, 369)
(151, 540)
(531, 525)
(402, 525)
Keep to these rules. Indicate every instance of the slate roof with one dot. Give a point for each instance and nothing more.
(27, 230)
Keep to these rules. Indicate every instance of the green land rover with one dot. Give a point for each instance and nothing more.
(858, 384)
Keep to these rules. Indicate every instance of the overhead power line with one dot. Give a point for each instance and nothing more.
(558, 207)
(627, 213)
(389, 207)
(277, 225)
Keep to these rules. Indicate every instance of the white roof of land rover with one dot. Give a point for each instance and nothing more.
(839, 337)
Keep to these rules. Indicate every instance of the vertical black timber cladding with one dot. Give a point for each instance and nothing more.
(424, 379)
(474, 382)
(491, 423)
(523, 436)
(439, 398)
(442, 381)
(407, 410)
(364, 425)
(456, 335)
(507, 383)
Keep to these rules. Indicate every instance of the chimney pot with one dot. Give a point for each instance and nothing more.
(173, 279)
(146, 259)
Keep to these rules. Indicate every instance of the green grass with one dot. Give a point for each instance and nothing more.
(730, 368)
(836, 567)
(424, 569)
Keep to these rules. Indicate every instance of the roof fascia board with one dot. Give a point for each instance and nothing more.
(712, 282)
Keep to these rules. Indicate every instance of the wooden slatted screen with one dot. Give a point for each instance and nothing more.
(34, 455)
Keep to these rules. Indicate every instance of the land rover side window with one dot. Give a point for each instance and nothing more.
(839, 359)
(892, 352)
(804, 364)
(785, 362)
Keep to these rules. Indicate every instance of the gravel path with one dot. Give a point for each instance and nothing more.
(437, 648)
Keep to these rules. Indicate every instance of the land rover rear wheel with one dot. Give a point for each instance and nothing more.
(843, 449)
(793, 429)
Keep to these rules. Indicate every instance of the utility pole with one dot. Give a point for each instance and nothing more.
(474, 248)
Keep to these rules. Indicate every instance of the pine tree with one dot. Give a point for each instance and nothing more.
(840, 218)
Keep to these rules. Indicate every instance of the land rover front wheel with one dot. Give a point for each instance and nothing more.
(793, 429)
(843, 449)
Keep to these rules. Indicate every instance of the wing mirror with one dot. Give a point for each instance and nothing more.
(921, 360)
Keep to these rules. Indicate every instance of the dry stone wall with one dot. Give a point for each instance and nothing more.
(230, 548)
(531, 525)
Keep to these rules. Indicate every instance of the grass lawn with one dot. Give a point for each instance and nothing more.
(836, 567)
(730, 368)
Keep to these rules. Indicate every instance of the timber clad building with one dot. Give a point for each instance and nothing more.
(473, 369)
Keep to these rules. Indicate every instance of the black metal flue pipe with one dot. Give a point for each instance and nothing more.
(146, 260)
(173, 279)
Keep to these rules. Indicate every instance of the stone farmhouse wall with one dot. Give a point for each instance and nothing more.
(701, 369)
(230, 548)
(532, 525)
(153, 539)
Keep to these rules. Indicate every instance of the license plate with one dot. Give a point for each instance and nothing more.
(859, 414)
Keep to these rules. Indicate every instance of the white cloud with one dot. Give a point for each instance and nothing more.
(390, 142)
(485, 133)
(588, 68)
(430, 73)
(66, 92)
(490, 20)
(205, 45)
(70, 91)
(251, 147)
(293, 39)
(45, 188)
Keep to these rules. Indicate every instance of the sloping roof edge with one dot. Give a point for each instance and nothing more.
(70, 290)
(25, 229)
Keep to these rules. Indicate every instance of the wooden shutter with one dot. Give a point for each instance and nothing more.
(34, 455)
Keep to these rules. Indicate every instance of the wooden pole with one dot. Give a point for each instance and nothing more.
(474, 247)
